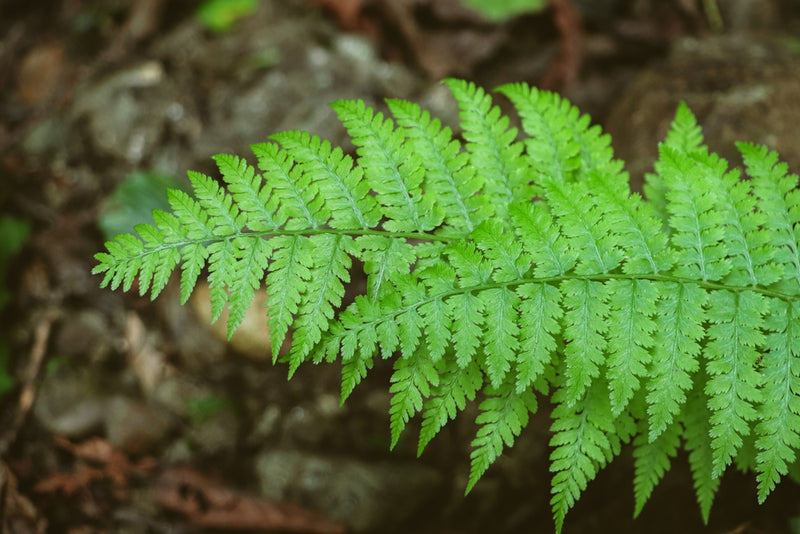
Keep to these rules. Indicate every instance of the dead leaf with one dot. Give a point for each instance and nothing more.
(114, 465)
(209, 504)
(42, 73)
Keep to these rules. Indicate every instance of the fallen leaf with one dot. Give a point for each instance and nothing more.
(209, 504)
(114, 465)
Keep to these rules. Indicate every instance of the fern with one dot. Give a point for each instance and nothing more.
(508, 267)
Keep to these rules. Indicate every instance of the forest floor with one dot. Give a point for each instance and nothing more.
(130, 416)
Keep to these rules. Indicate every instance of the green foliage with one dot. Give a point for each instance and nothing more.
(134, 199)
(510, 267)
(220, 15)
(205, 407)
(13, 234)
(502, 10)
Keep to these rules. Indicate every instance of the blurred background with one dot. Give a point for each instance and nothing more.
(121, 415)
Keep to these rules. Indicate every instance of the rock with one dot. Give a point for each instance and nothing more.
(121, 122)
(69, 404)
(84, 334)
(309, 424)
(176, 391)
(364, 495)
(199, 348)
(251, 338)
(266, 426)
(313, 64)
(216, 434)
(740, 87)
(135, 427)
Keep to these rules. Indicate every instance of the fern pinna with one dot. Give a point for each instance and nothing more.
(508, 267)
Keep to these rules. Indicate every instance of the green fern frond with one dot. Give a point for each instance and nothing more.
(447, 172)
(581, 446)
(652, 461)
(503, 415)
(734, 385)
(493, 151)
(457, 385)
(778, 425)
(512, 266)
(701, 454)
(676, 347)
(391, 168)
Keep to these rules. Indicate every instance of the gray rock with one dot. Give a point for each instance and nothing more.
(121, 123)
(217, 434)
(309, 424)
(176, 391)
(84, 334)
(135, 427)
(363, 495)
(266, 425)
(740, 87)
(198, 347)
(69, 404)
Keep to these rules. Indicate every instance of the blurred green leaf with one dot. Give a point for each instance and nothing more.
(502, 10)
(135, 199)
(220, 15)
(7, 382)
(13, 233)
(203, 408)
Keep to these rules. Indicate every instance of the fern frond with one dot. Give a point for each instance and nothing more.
(252, 198)
(540, 237)
(391, 169)
(252, 258)
(698, 230)
(734, 386)
(457, 384)
(652, 461)
(778, 429)
(581, 446)
(301, 206)
(504, 413)
(384, 258)
(540, 313)
(501, 332)
(466, 310)
(684, 137)
(290, 270)
(676, 347)
(592, 231)
(448, 174)
(778, 197)
(499, 269)
(346, 194)
(586, 310)
(412, 380)
(701, 454)
(632, 305)
(551, 124)
(491, 144)
(638, 227)
(562, 142)
(323, 293)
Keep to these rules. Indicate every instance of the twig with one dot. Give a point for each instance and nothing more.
(28, 390)
(564, 71)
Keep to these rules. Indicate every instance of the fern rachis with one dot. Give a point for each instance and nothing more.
(504, 268)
